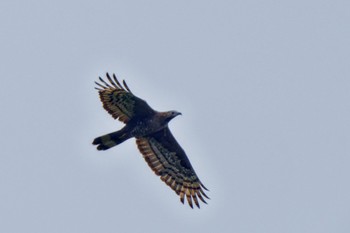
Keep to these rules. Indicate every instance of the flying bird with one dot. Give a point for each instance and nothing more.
(154, 139)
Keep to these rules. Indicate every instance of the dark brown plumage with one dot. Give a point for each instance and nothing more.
(155, 141)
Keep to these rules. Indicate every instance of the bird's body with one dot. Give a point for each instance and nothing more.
(153, 137)
(136, 128)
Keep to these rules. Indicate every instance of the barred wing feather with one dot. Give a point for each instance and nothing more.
(120, 102)
(169, 161)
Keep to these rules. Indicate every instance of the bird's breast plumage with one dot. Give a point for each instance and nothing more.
(144, 127)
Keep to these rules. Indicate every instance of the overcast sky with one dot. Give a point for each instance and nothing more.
(264, 88)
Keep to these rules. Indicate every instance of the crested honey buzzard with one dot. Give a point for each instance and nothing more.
(154, 140)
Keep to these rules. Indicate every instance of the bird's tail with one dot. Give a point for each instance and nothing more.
(109, 140)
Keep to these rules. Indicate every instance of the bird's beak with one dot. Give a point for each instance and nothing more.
(178, 113)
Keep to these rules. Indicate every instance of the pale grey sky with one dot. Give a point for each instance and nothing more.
(264, 88)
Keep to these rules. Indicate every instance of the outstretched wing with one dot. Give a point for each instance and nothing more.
(169, 161)
(119, 101)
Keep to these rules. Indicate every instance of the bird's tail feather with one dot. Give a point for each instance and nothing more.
(109, 140)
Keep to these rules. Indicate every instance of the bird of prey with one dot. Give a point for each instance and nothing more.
(153, 138)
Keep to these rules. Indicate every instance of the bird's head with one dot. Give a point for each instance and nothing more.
(171, 114)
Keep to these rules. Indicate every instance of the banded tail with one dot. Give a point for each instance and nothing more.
(109, 140)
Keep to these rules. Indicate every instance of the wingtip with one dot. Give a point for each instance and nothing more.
(204, 186)
(182, 198)
(126, 86)
(197, 204)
